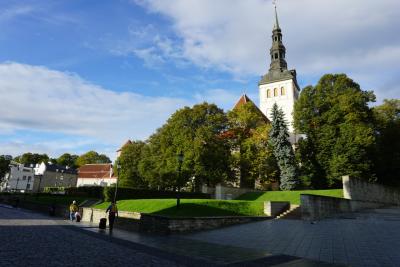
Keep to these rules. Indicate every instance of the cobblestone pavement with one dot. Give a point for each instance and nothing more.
(29, 239)
(369, 238)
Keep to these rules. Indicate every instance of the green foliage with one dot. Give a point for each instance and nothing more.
(91, 157)
(4, 165)
(190, 207)
(283, 150)
(134, 193)
(128, 174)
(67, 159)
(387, 129)
(32, 158)
(292, 196)
(85, 191)
(251, 154)
(194, 132)
(335, 117)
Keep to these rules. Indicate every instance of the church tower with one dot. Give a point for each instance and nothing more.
(279, 85)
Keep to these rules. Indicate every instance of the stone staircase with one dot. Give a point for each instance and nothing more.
(294, 213)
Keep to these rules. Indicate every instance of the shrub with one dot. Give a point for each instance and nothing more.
(133, 193)
(85, 191)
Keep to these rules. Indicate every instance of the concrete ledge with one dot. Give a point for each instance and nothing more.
(274, 208)
(134, 221)
(166, 225)
(314, 207)
(357, 189)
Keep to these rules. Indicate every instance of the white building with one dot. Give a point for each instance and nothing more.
(96, 174)
(279, 85)
(19, 179)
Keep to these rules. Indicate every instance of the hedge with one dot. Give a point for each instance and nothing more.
(85, 191)
(133, 193)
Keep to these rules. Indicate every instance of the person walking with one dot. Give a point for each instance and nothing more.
(72, 209)
(112, 212)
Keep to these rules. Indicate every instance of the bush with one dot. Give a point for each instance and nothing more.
(85, 191)
(54, 190)
(133, 193)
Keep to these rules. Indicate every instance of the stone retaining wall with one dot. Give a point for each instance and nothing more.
(357, 189)
(164, 225)
(314, 207)
(274, 208)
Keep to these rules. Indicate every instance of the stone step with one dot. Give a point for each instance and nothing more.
(293, 213)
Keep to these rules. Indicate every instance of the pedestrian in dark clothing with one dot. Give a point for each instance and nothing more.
(112, 212)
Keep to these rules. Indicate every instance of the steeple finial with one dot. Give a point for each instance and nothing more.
(276, 26)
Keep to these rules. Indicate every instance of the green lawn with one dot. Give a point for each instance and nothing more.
(292, 196)
(251, 204)
(190, 207)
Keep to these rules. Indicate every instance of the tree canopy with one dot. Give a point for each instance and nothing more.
(387, 153)
(335, 117)
(128, 173)
(91, 157)
(67, 159)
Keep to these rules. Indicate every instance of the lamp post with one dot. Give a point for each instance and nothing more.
(116, 184)
(180, 160)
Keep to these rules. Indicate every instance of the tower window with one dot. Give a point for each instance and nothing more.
(276, 55)
(268, 93)
(276, 38)
(283, 91)
(275, 91)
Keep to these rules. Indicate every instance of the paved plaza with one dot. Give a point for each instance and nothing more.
(363, 239)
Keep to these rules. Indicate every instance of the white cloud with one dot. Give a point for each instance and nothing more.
(38, 98)
(82, 115)
(356, 37)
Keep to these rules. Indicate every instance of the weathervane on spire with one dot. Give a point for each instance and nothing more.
(276, 26)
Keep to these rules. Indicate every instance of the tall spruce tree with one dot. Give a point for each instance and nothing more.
(283, 150)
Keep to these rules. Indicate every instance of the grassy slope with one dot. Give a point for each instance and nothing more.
(190, 207)
(247, 204)
(292, 196)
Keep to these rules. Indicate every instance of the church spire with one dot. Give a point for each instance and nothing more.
(276, 26)
(278, 50)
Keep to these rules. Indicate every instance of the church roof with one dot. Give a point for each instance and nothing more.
(244, 99)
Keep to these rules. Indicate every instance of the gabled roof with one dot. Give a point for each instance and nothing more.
(50, 167)
(129, 142)
(244, 99)
(100, 171)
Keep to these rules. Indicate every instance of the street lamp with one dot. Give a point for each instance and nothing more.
(180, 160)
(116, 184)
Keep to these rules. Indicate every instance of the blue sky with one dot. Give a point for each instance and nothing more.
(77, 75)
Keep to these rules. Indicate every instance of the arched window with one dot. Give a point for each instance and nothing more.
(283, 91)
(275, 91)
(268, 93)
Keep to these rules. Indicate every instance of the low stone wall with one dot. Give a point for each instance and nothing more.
(357, 189)
(226, 192)
(167, 225)
(274, 208)
(314, 207)
(134, 221)
(126, 220)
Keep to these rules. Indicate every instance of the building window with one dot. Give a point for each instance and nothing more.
(268, 93)
(24, 177)
(28, 186)
(283, 91)
(275, 91)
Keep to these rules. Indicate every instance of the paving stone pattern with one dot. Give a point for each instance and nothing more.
(29, 239)
(364, 239)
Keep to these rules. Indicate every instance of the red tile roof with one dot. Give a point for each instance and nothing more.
(102, 171)
(244, 99)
